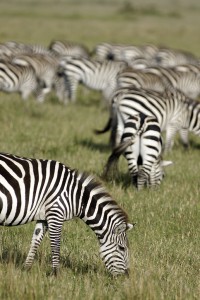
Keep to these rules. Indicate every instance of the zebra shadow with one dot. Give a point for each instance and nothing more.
(77, 266)
(13, 256)
(118, 178)
(193, 145)
(91, 145)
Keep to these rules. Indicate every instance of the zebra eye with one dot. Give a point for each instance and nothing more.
(121, 248)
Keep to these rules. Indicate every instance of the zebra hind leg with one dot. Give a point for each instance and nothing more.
(39, 232)
(142, 179)
(55, 229)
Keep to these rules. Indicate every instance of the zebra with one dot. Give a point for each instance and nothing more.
(107, 51)
(186, 82)
(174, 111)
(49, 192)
(139, 79)
(122, 52)
(21, 79)
(10, 48)
(45, 67)
(167, 57)
(188, 68)
(93, 74)
(141, 144)
(66, 48)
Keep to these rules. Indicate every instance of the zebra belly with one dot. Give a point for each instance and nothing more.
(13, 215)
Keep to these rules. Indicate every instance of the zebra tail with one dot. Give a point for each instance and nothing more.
(110, 168)
(106, 128)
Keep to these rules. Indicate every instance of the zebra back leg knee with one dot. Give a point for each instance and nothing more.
(39, 232)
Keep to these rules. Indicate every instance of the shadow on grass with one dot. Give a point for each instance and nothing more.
(17, 258)
(91, 145)
(193, 145)
(77, 266)
(118, 178)
(13, 256)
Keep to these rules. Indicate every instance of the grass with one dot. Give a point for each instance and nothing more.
(165, 243)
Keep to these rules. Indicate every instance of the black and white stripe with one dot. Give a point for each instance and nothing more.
(167, 57)
(141, 144)
(21, 79)
(172, 109)
(139, 79)
(93, 74)
(45, 67)
(123, 52)
(66, 48)
(186, 82)
(50, 193)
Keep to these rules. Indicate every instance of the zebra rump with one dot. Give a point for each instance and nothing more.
(141, 144)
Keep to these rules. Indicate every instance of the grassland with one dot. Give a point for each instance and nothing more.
(165, 243)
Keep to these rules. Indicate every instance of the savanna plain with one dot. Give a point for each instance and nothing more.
(165, 243)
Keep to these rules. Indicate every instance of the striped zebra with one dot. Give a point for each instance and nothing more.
(167, 57)
(21, 79)
(93, 74)
(45, 67)
(139, 79)
(10, 48)
(189, 68)
(172, 109)
(107, 51)
(186, 82)
(122, 52)
(66, 48)
(50, 193)
(141, 144)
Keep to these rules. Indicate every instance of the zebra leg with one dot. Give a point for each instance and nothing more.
(184, 137)
(170, 134)
(142, 179)
(39, 232)
(55, 228)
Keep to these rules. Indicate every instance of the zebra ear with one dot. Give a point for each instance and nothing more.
(166, 163)
(120, 228)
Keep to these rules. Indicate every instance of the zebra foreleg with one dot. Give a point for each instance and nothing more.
(39, 232)
(184, 137)
(170, 134)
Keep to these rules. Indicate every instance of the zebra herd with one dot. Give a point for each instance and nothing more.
(147, 89)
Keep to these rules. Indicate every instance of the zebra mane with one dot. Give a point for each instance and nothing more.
(91, 184)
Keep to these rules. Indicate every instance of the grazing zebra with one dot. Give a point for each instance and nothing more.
(172, 109)
(65, 48)
(122, 52)
(45, 67)
(167, 57)
(189, 68)
(50, 193)
(93, 74)
(8, 49)
(186, 82)
(21, 79)
(107, 51)
(139, 79)
(141, 144)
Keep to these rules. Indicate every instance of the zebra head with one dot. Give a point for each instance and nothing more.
(114, 251)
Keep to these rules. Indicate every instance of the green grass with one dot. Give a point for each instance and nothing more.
(164, 245)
